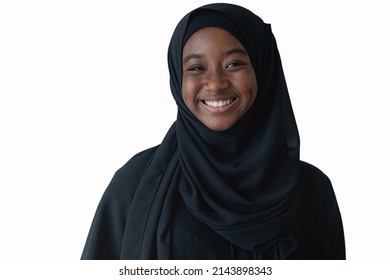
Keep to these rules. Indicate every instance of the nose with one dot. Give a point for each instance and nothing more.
(216, 80)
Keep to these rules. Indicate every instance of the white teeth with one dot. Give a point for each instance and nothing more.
(219, 103)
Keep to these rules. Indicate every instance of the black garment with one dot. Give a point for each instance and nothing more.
(319, 226)
(244, 185)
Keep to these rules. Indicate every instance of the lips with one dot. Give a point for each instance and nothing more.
(218, 103)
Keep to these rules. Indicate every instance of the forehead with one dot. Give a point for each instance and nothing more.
(210, 37)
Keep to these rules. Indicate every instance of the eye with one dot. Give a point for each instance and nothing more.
(234, 64)
(195, 68)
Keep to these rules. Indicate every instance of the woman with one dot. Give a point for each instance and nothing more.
(226, 182)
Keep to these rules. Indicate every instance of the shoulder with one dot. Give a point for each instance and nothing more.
(320, 222)
(106, 233)
(126, 179)
(316, 190)
(312, 174)
(136, 165)
(315, 183)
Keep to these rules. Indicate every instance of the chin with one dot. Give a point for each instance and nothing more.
(219, 126)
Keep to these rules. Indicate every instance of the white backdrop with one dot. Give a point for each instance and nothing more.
(84, 86)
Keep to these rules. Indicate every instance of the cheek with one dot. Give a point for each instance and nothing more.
(248, 87)
(189, 91)
(185, 94)
(252, 88)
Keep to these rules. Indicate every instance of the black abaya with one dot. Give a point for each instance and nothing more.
(319, 226)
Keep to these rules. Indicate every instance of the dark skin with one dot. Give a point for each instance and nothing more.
(219, 82)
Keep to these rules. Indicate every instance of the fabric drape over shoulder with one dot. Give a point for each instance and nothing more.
(242, 183)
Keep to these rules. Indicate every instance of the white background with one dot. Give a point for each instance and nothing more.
(84, 86)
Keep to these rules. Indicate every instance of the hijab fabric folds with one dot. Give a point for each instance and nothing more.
(242, 182)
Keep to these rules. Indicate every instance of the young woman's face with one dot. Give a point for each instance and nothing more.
(219, 82)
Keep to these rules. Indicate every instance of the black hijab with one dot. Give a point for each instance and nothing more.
(242, 182)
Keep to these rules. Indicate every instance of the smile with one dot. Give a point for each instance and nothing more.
(218, 103)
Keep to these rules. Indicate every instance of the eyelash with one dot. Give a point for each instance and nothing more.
(197, 68)
(235, 63)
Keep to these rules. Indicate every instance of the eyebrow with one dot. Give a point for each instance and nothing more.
(230, 52)
(236, 50)
(192, 56)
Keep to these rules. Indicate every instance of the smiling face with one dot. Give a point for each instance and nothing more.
(219, 83)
